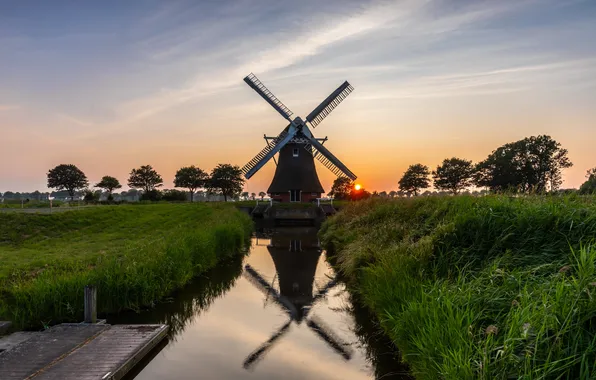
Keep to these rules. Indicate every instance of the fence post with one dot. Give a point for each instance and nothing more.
(90, 304)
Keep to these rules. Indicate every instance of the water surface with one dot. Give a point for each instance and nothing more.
(277, 313)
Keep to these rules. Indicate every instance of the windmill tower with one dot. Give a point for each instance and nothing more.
(296, 178)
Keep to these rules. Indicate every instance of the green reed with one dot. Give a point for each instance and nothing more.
(491, 287)
(135, 255)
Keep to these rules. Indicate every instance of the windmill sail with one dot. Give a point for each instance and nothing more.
(330, 337)
(268, 152)
(328, 159)
(253, 276)
(332, 101)
(260, 88)
(265, 347)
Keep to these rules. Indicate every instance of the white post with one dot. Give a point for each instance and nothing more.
(22, 203)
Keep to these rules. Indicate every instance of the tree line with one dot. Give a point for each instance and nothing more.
(224, 179)
(528, 166)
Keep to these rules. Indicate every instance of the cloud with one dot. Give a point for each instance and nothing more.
(285, 49)
(496, 81)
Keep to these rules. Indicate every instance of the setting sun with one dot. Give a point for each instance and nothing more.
(357, 186)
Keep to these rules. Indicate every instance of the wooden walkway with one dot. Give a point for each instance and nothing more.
(78, 351)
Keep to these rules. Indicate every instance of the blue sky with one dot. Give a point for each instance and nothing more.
(113, 85)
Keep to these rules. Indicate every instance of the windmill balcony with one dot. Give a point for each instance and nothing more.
(304, 197)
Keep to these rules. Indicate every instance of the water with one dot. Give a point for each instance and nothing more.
(276, 313)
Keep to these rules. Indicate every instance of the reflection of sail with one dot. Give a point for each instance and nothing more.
(295, 255)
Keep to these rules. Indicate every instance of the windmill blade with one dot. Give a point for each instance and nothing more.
(254, 277)
(320, 294)
(328, 159)
(257, 354)
(268, 152)
(332, 101)
(330, 337)
(260, 88)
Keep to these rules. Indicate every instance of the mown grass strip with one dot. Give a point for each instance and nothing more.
(135, 255)
(490, 287)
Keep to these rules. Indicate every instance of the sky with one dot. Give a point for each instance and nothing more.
(113, 85)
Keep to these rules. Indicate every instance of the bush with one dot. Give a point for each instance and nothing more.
(152, 196)
(174, 196)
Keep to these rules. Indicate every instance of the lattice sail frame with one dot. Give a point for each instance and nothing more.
(297, 125)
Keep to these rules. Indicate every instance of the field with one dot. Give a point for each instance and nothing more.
(135, 255)
(490, 287)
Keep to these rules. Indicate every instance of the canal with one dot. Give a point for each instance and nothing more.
(278, 312)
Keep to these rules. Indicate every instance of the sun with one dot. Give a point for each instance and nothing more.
(357, 186)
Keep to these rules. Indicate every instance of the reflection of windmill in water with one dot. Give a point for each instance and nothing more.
(295, 259)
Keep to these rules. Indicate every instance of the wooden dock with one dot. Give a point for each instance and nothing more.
(77, 351)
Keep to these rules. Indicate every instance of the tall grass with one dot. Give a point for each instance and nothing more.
(490, 288)
(135, 255)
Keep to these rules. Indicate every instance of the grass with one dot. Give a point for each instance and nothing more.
(488, 288)
(135, 255)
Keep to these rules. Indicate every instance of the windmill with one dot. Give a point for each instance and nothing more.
(295, 265)
(296, 178)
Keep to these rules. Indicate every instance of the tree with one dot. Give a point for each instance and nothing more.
(191, 178)
(454, 175)
(589, 187)
(145, 178)
(531, 165)
(262, 194)
(226, 180)
(393, 193)
(253, 196)
(109, 184)
(415, 179)
(244, 195)
(356, 195)
(67, 177)
(341, 188)
(383, 194)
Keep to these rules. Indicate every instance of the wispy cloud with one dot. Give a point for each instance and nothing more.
(284, 50)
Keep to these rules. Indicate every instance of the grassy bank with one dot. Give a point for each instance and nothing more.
(135, 255)
(489, 288)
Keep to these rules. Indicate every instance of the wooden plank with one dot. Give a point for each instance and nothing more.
(81, 352)
(10, 341)
(28, 357)
(110, 355)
